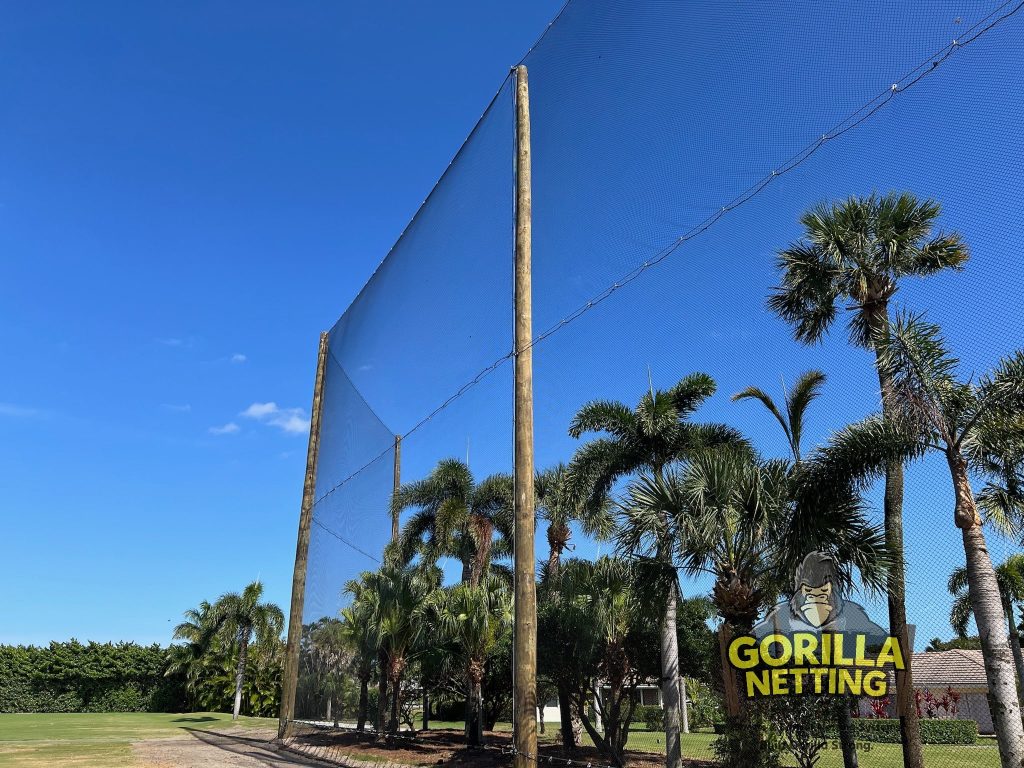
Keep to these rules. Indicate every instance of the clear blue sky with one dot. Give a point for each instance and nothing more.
(189, 194)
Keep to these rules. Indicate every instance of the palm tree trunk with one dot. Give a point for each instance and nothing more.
(382, 695)
(475, 704)
(483, 533)
(396, 703)
(565, 716)
(987, 605)
(1018, 660)
(364, 702)
(558, 538)
(846, 741)
(425, 725)
(910, 726)
(599, 741)
(670, 681)
(243, 653)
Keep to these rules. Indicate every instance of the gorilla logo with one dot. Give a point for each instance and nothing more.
(817, 604)
(813, 592)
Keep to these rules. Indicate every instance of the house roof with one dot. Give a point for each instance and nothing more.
(959, 668)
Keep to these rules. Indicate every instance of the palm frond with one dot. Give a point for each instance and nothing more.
(856, 456)
(609, 416)
(756, 393)
(690, 392)
(806, 389)
(807, 295)
(960, 614)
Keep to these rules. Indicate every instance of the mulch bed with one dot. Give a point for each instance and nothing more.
(447, 748)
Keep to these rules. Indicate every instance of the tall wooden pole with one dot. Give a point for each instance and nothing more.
(397, 484)
(291, 660)
(525, 636)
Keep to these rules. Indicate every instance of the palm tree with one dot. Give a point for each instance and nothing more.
(967, 423)
(735, 517)
(556, 507)
(600, 609)
(363, 638)
(192, 657)
(364, 615)
(402, 594)
(647, 437)
(792, 418)
(457, 517)
(857, 251)
(472, 617)
(241, 617)
(1010, 578)
(332, 655)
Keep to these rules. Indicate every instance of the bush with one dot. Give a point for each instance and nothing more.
(450, 710)
(93, 677)
(933, 731)
(747, 741)
(653, 717)
(706, 708)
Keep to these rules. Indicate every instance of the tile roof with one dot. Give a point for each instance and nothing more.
(958, 668)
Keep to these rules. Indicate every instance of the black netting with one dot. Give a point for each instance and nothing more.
(675, 146)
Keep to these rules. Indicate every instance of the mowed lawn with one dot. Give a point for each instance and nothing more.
(698, 746)
(983, 755)
(97, 740)
(104, 740)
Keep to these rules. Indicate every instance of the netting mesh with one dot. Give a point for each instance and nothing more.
(675, 146)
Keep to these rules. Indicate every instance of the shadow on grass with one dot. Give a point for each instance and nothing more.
(206, 719)
(255, 748)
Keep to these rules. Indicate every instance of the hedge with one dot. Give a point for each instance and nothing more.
(93, 677)
(933, 731)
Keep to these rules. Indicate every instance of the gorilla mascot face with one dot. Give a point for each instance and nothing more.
(816, 590)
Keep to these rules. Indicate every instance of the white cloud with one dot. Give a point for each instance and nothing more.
(260, 410)
(291, 420)
(238, 357)
(228, 429)
(183, 408)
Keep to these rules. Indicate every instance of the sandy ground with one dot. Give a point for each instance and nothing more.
(226, 748)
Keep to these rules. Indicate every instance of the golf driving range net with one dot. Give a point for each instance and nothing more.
(691, 161)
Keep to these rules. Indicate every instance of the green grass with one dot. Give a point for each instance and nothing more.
(96, 740)
(698, 745)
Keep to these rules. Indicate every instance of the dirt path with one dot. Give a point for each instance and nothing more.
(229, 748)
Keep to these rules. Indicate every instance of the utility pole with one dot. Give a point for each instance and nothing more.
(525, 634)
(291, 660)
(397, 485)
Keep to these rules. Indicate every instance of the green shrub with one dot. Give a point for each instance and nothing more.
(450, 710)
(653, 717)
(706, 708)
(93, 677)
(933, 731)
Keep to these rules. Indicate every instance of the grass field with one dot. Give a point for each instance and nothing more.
(104, 741)
(96, 740)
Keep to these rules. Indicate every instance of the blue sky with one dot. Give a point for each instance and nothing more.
(181, 187)
(188, 195)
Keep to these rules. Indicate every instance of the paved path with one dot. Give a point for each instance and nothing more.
(232, 748)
